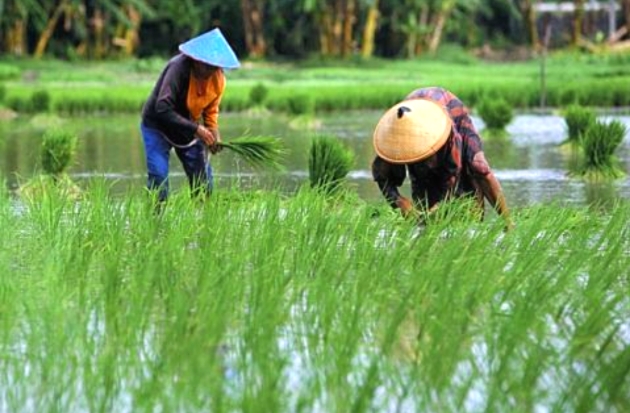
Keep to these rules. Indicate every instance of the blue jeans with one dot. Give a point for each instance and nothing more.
(194, 159)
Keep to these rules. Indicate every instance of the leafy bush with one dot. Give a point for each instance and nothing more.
(496, 112)
(57, 151)
(329, 163)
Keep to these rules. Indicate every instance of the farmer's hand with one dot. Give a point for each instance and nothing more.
(206, 135)
(216, 147)
(405, 206)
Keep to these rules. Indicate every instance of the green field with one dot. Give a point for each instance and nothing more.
(267, 302)
(591, 80)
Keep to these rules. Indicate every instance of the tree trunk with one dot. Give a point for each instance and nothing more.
(440, 22)
(253, 16)
(132, 38)
(529, 19)
(349, 18)
(578, 20)
(369, 30)
(16, 38)
(625, 4)
(44, 38)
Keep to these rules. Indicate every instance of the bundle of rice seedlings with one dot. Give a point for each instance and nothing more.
(578, 119)
(57, 151)
(497, 113)
(599, 143)
(258, 151)
(329, 163)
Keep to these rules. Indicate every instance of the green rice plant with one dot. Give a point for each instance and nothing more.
(8, 71)
(3, 92)
(40, 101)
(578, 119)
(599, 143)
(258, 94)
(496, 113)
(57, 151)
(280, 303)
(258, 151)
(300, 104)
(329, 163)
(19, 104)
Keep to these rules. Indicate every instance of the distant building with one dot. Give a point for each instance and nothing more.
(600, 19)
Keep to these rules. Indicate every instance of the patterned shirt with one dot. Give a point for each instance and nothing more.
(449, 172)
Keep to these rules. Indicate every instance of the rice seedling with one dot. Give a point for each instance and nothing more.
(329, 163)
(56, 155)
(258, 94)
(258, 151)
(578, 119)
(496, 112)
(285, 304)
(40, 101)
(282, 303)
(599, 143)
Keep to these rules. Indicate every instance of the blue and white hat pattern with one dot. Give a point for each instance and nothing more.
(211, 48)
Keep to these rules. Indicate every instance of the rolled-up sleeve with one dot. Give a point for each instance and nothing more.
(389, 178)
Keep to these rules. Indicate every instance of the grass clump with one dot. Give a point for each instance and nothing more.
(496, 113)
(599, 143)
(259, 151)
(329, 163)
(578, 119)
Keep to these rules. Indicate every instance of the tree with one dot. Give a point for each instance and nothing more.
(253, 26)
(578, 21)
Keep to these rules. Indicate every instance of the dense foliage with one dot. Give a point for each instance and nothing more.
(269, 28)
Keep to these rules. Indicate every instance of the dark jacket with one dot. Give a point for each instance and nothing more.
(166, 108)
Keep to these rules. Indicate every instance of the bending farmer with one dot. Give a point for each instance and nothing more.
(431, 137)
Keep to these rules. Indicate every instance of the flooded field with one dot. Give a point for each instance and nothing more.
(529, 161)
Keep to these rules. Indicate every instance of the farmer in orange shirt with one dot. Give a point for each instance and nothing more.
(182, 112)
(430, 137)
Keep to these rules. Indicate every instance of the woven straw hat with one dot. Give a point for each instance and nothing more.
(211, 48)
(411, 131)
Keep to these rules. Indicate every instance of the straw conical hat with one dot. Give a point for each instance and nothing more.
(211, 48)
(411, 131)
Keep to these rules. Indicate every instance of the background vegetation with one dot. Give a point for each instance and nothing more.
(98, 29)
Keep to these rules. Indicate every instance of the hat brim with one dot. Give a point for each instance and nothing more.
(412, 131)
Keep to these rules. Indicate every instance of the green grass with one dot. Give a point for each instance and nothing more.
(269, 302)
(333, 85)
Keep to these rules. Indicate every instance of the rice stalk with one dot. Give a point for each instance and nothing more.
(599, 143)
(259, 151)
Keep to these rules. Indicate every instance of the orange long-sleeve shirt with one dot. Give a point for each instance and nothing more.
(204, 97)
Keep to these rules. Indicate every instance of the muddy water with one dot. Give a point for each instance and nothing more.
(529, 162)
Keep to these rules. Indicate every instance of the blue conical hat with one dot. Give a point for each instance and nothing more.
(211, 48)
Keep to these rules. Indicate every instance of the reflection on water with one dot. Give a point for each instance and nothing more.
(529, 162)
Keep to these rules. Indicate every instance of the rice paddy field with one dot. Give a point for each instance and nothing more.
(262, 302)
(272, 297)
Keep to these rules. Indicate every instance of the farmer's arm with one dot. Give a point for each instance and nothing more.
(174, 87)
(389, 178)
(490, 186)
